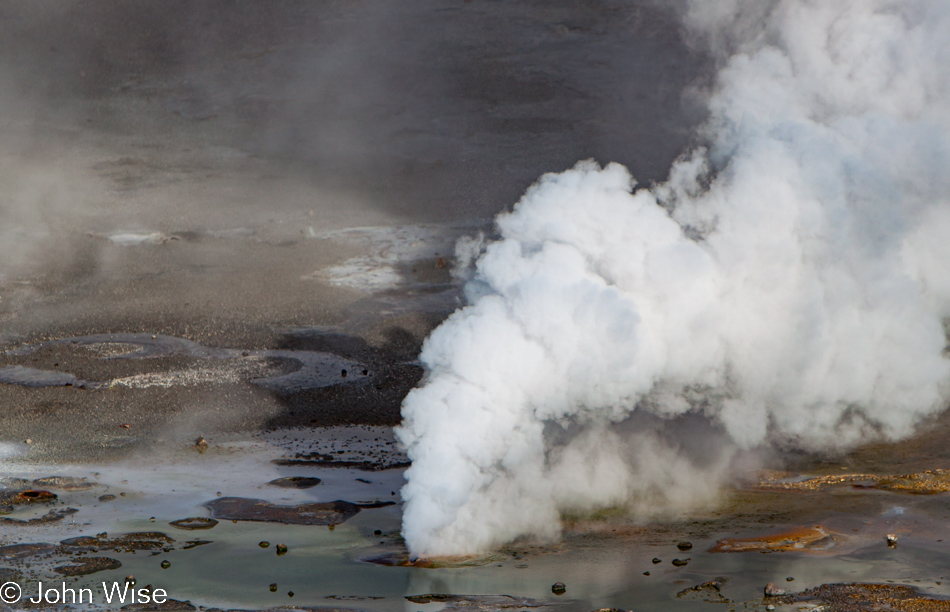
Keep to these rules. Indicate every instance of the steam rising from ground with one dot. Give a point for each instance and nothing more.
(787, 286)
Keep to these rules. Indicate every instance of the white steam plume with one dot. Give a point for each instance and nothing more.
(788, 285)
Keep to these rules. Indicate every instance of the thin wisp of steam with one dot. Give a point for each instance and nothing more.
(787, 285)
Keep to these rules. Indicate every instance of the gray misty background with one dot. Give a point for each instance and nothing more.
(239, 133)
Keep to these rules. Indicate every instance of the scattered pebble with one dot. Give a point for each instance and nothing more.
(558, 588)
(263, 544)
(281, 549)
(891, 540)
(273, 587)
(107, 497)
(773, 590)
(657, 560)
(680, 562)
(684, 546)
(201, 445)
(166, 564)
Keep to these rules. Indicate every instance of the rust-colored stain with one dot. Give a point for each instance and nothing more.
(35, 495)
(798, 538)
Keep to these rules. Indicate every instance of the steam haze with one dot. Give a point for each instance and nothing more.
(785, 288)
(246, 130)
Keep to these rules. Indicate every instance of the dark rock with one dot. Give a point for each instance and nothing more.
(107, 497)
(243, 509)
(281, 549)
(558, 588)
(295, 482)
(684, 546)
(89, 565)
(194, 522)
(680, 562)
(773, 590)
(657, 560)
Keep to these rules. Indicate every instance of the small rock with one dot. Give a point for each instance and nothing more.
(263, 544)
(789, 579)
(273, 587)
(891, 540)
(773, 590)
(201, 445)
(558, 588)
(130, 579)
(166, 564)
(107, 497)
(646, 573)
(28, 441)
(684, 546)
(657, 560)
(770, 607)
(680, 562)
(281, 549)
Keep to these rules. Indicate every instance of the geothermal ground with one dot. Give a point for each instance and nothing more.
(226, 231)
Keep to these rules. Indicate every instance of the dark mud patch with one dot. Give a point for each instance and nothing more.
(66, 483)
(26, 496)
(862, 597)
(194, 522)
(478, 602)
(169, 605)
(52, 516)
(327, 461)
(130, 542)
(244, 509)
(401, 558)
(295, 482)
(87, 566)
(708, 592)
(24, 551)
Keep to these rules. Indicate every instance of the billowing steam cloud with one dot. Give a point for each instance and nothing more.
(788, 285)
